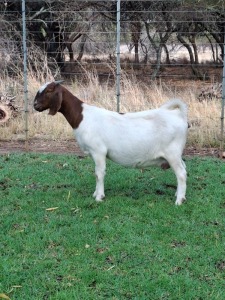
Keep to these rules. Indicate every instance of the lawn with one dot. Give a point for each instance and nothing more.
(57, 243)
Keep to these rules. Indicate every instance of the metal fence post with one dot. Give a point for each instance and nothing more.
(118, 55)
(25, 72)
(223, 103)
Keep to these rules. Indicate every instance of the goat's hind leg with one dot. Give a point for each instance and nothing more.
(100, 167)
(179, 167)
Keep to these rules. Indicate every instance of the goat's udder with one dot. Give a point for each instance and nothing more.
(165, 166)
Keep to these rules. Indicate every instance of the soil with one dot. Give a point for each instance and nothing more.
(41, 146)
(71, 147)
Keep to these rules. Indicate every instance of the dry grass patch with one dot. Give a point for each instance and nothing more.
(204, 117)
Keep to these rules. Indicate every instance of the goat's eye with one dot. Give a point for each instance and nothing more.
(48, 92)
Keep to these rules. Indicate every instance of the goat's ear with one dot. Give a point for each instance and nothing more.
(56, 103)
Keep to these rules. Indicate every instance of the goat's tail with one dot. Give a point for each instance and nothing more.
(177, 104)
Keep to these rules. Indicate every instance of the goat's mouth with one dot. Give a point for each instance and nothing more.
(37, 107)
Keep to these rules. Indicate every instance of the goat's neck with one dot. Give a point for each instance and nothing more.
(72, 109)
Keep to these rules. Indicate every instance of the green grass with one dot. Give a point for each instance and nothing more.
(135, 245)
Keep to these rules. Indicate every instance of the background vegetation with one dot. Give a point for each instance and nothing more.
(204, 115)
(76, 41)
(57, 28)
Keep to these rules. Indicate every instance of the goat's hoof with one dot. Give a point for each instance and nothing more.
(180, 201)
(98, 198)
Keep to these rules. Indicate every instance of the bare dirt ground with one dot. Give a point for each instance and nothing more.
(41, 146)
(71, 147)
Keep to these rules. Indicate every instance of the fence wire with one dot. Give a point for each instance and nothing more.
(156, 41)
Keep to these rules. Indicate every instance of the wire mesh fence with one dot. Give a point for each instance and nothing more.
(129, 46)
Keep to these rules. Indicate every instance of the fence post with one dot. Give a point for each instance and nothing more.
(118, 55)
(223, 103)
(25, 73)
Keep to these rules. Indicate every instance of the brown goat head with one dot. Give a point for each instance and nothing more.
(49, 97)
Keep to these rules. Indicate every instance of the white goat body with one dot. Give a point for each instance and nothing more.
(141, 139)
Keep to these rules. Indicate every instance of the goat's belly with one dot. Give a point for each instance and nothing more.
(136, 161)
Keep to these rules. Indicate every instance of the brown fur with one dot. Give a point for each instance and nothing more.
(57, 99)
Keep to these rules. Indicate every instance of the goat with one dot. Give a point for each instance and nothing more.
(138, 139)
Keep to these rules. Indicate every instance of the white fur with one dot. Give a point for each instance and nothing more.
(43, 87)
(137, 140)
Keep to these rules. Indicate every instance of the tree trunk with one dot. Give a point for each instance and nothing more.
(197, 73)
(4, 114)
(81, 46)
(158, 48)
(70, 50)
(145, 51)
(167, 54)
(158, 62)
(135, 35)
(193, 43)
(69, 42)
(212, 48)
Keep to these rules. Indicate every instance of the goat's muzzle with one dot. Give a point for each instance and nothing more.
(37, 106)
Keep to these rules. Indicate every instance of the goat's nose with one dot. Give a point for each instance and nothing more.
(35, 104)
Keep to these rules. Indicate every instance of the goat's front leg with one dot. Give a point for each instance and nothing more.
(100, 166)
